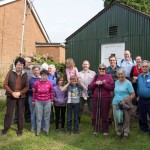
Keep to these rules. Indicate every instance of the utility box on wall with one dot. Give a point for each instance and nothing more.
(55, 50)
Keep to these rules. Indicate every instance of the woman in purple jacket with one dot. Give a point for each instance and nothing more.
(60, 100)
(102, 85)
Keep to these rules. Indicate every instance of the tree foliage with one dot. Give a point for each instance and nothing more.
(141, 5)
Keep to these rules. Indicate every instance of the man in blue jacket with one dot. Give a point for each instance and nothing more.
(143, 91)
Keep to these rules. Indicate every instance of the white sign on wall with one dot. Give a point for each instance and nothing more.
(116, 49)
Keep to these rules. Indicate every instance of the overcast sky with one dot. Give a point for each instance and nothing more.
(63, 17)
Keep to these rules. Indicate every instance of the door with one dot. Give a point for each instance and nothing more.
(116, 49)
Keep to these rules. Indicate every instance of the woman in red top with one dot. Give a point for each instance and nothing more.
(136, 70)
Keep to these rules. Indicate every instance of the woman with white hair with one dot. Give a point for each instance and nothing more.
(122, 101)
(52, 76)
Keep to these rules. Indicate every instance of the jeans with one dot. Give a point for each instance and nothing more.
(40, 109)
(70, 108)
(33, 115)
(144, 109)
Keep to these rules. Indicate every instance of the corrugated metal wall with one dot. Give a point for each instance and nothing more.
(133, 29)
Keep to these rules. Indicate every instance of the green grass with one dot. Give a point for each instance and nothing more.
(59, 141)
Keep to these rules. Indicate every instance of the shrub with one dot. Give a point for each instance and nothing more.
(40, 59)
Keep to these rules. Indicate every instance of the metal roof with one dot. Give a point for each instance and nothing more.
(103, 11)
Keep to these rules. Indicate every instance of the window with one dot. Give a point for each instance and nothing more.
(113, 30)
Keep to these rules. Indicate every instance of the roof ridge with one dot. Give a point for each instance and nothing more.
(105, 9)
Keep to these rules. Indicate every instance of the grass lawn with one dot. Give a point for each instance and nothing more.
(60, 141)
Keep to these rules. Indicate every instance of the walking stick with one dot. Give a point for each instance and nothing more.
(98, 108)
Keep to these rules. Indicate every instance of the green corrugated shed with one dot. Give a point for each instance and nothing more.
(133, 28)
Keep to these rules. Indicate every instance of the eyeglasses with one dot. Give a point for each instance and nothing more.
(101, 68)
(112, 60)
(144, 66)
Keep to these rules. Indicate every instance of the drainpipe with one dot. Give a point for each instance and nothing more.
(23, 25)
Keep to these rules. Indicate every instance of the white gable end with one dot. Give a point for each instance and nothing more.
(3, 2)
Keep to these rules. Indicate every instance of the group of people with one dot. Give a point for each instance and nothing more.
(109, 94)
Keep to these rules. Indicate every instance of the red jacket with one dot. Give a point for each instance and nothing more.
(106, 87)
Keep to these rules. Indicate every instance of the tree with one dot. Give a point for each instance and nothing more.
(141, 5)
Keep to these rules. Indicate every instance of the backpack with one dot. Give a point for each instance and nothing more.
(55, 75)
(91, 91)
(123, 60)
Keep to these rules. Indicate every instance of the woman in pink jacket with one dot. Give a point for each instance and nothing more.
(102, 85)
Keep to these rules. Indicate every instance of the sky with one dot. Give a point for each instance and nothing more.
(61, 18)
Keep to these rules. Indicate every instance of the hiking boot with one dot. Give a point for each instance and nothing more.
(1, 134)
(47, 133)
(62, 129)
(125, 138)
(69, 132)
(105, 133)
(57, 130)
(76, 132)
(19, 134)
(95, 133)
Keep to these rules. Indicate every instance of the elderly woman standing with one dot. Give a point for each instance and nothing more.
(124, 93)
(16, 84)
(52, 76)
(102, 85)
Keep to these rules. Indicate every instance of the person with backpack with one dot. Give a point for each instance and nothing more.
(86, 76)
(127, 63)
(102, 85)
(52, 76)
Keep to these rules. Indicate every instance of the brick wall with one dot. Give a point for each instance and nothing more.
(11, 16)
(58, 52)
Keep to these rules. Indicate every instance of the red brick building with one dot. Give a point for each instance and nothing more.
(11, 18)
(56, 50)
